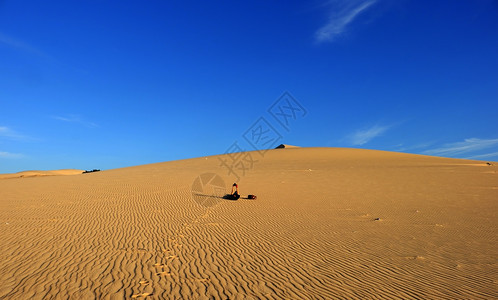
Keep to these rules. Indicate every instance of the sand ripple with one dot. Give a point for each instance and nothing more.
(362, 225)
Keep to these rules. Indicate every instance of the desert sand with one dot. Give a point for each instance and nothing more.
(328, 223)
(41, 173)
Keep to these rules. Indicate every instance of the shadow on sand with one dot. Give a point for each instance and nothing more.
(231, 197)
(226, 197)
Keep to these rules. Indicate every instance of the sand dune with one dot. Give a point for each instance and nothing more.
(41, 173)
(281, 146)
(328, 223)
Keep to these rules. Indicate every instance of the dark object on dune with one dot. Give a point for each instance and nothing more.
(235, 193)
(232, 196)
(91, 171)
(489, 164)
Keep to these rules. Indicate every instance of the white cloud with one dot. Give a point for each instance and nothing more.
(459, 148)
(4, 154)
(9, 133)
(340, 19)
(17, 44)
(364, 136)
(402, 147)
(74, 119)
(481, 156)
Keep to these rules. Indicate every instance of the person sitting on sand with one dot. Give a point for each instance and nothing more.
(235, 194)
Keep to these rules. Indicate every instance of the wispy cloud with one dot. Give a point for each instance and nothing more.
(483, 156)
(12, 134)
(364, 136)
(75, 119)
(4, 154)
(461, 148)
(402, 147)
(342, 16)
(20, 45)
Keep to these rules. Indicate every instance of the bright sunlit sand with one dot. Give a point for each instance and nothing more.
(41, 173)
(328, 223)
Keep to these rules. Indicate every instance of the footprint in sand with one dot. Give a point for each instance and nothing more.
(144, 282)
(142, 295)
(164, 273)
(415, 257)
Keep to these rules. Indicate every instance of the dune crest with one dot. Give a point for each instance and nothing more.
(41, 173)
(328, 223)
(282, 146)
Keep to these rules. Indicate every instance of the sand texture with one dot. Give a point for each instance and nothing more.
(328, 223)
(41, 173)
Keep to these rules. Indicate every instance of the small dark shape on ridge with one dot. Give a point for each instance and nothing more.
(91, 171)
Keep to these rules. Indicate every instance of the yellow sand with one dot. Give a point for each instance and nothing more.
(328, 223)
(41, 173)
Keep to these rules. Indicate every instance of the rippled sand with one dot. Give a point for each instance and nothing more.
(328, 223)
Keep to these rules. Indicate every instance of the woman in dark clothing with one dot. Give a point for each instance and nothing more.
(235, 194)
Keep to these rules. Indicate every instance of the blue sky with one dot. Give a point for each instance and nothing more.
(108, 84)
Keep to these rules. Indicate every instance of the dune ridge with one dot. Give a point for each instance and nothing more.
(36, 173)
(329, 223)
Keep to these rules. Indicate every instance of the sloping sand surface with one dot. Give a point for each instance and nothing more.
(41, 173)
(328, 223)
(281, 146)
